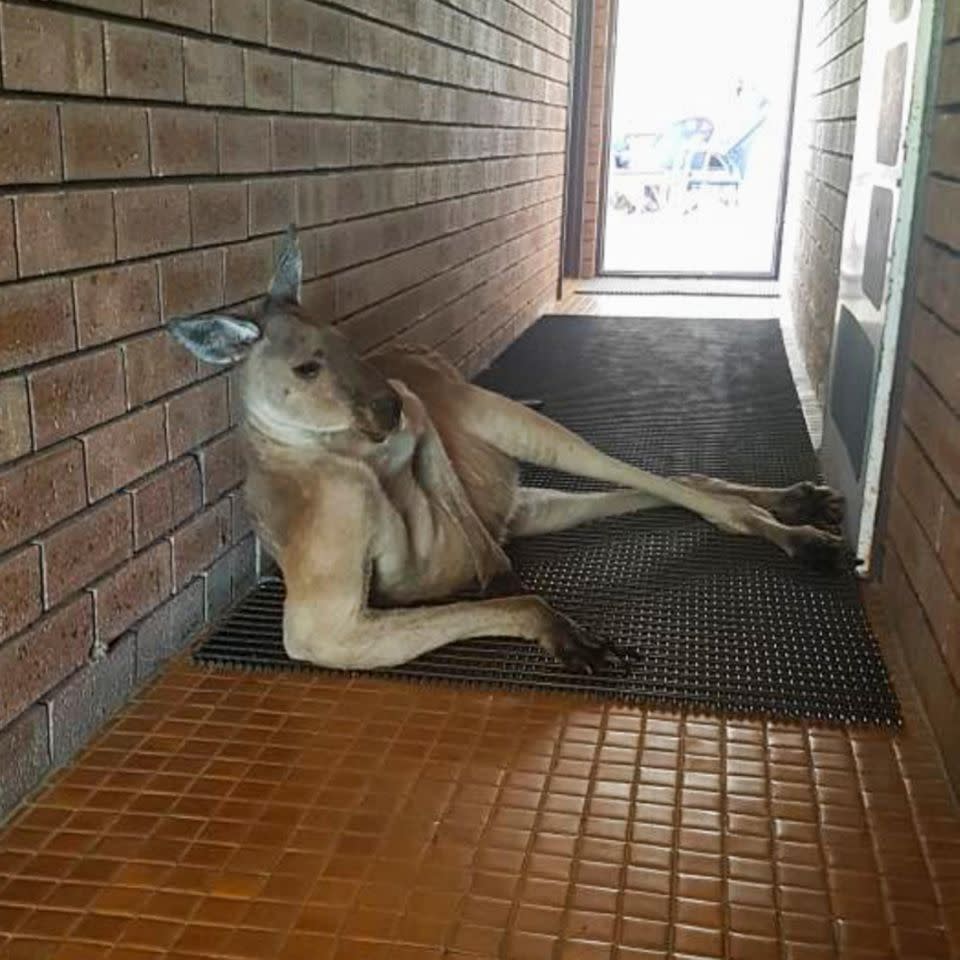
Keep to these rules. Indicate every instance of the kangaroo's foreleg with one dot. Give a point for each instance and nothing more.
(546, 511)
(527, 435)
(327, 620)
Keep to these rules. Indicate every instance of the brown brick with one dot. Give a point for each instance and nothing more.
(85, 548)
(944, 157)
(331, 143)
(949, 545)
(20, 598)
(235, 395)
(37, 661)
(312, 87)
(218, 212)
(937, 278)
(222, 465)
(200, 542)
(142, 63)
(359, 194)
(165, 500)
(115, 303)
(267, 81)
(360, 93)
(156, 365)
(310, 243)
(8, 249)
(242, 521)
(374, 45)
(191, 283)
(14, 419)
(290, 24)
(294, 143)
(951, 27)
(104, 142)
(272, 205)
(129, 7)
(152, 220)
(941, 603)
(124, 450)
(449, 180)
(943, 199)
(76, 394)
(185, 13)
(50, 51)
(935, 427)
(243, 19)
(64, 231)
(920, 486)
(248, 269)
(319, 297)
(39, 492)
(182, 142)
(37, 322)
(214, 73)
(30, 133)
(197, 414)
(132, 592)
(300, 25)
(935, 349)
(244, 144)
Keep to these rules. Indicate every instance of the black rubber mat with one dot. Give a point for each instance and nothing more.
(718, 623)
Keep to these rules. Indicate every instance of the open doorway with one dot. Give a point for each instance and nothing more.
(700, 101)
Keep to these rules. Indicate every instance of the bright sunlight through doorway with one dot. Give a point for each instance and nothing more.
(698, 136)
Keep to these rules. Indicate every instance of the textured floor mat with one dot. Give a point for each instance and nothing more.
(717, 623)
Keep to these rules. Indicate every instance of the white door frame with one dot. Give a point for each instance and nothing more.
(922, 23)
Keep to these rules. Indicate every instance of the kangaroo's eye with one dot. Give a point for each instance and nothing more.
(308, 370)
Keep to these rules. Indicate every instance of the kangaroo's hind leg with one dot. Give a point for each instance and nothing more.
(547, 511)
(798, 504)
(524, 434)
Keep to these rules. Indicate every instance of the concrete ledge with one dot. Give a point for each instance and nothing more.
(24, 756)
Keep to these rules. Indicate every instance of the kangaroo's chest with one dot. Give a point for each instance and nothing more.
(422, 551)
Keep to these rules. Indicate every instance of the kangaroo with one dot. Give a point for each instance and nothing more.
(385, 484)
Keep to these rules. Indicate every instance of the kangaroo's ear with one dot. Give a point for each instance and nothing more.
(216, 337)
(288, 272)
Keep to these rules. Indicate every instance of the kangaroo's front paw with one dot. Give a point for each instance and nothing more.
(574, 647)
(807, 503)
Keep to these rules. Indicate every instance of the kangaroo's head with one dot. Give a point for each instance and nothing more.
(303, 381)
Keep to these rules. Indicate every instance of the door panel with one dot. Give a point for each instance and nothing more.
(876, 239)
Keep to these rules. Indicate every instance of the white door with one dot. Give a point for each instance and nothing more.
(876, 240)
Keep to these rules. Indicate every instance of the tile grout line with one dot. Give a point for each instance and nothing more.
(516, 903)
(675, 844)
(821, 849)
(772, 842)
(563, 940)
(723, 743)
(628, 845)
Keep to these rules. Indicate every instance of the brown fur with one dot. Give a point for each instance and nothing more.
(391, 478)
(488, 476)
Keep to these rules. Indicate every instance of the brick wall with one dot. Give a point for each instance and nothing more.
(921, 571)
(152, 151)
(833, 45)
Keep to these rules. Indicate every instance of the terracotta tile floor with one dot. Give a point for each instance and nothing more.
(302, 817)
